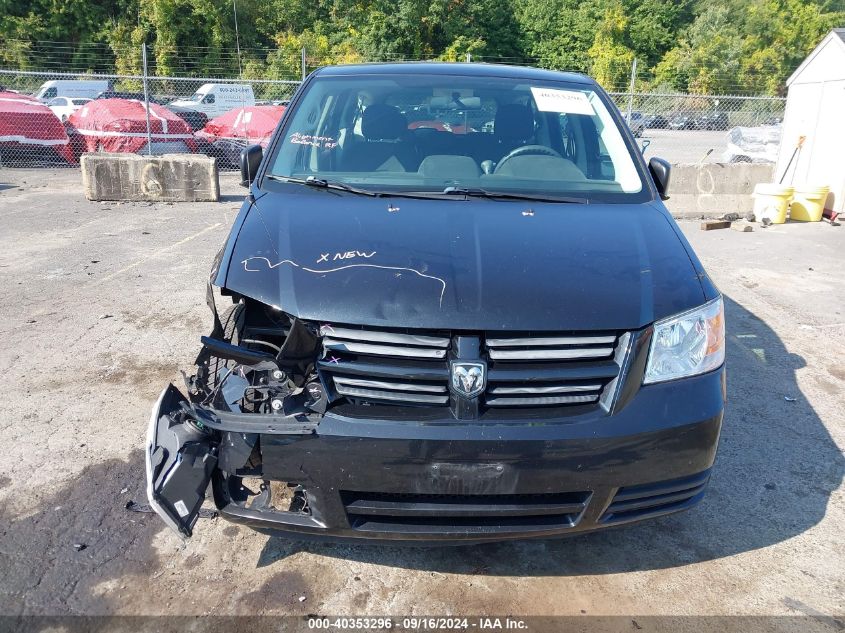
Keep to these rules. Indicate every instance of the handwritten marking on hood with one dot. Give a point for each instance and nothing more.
(324, 257)
(270, 265)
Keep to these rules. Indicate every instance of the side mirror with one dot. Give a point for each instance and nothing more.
(250, 161)
(660, 171)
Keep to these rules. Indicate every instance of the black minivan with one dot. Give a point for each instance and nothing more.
(453, 307)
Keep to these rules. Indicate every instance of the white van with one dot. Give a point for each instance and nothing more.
(82, 88)
(215, 99)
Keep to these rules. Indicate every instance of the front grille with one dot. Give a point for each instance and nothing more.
(411, 368)
(382, 366)
(543, 371)
(438, 513)
(526, 348)
(639, 502)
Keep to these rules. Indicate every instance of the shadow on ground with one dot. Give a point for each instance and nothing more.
(64, 556)
(776, 469)
(231, 197)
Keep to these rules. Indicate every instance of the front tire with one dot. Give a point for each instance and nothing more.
(232, 321)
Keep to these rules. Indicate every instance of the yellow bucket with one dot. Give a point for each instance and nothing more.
(808, 204)
(771, 201)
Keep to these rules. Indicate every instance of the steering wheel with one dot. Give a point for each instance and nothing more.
(528, 150)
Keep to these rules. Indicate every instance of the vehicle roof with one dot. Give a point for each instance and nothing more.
(455, 69)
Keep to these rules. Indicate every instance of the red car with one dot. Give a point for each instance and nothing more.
(30, 130)
(120, 125)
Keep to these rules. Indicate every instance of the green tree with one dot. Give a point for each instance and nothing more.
(609, 55)
(708, 57)
(558, 33)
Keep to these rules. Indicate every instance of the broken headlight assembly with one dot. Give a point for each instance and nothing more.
(256, 374)
(687, 344)
(258, 360)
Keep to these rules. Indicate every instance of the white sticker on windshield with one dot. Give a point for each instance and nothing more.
(565, 101)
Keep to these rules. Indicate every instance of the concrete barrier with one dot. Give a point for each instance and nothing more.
(712, 189)
(168, 178)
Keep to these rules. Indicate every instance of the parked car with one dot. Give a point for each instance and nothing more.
(120, 125)
(29, 131)
(192, 117)
(655, 122)
(637, 124)
(226, 136)
(63, 107)
(87, 88)
(217, 99)
(465, 337)
(712, 121)
(683, 121)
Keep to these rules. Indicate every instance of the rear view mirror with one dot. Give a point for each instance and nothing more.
(660, 170)
(455, 102)
(250, 161)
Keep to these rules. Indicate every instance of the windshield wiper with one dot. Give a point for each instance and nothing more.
(322, 183)
(505, 195)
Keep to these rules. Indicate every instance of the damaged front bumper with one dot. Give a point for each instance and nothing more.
(184, 444)
(326, 475)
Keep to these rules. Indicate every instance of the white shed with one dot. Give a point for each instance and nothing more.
(815, 108)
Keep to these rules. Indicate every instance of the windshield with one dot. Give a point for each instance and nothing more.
(426, 133)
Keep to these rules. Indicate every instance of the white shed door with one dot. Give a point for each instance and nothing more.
(827, 161)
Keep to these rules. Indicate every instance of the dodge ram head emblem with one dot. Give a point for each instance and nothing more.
(468, 379)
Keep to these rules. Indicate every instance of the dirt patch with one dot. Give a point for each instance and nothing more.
(130, 370)
(282, 590)
(81, 547)
(837, 371)
(828, 387)
(159, 321)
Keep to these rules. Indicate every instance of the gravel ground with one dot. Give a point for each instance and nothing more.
(685, 146)
(102, 303)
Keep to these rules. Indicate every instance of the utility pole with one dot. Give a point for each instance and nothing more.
(147, 99)
(304, 64)
(631, 90)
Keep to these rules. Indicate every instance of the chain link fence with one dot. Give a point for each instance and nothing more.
(51, 118)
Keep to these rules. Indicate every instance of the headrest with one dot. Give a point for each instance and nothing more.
(514, 122)
(383, 122)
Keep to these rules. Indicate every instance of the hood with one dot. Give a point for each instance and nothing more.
(461, 264)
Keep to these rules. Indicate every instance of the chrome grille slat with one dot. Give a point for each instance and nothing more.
(380, 384)
(398, 396)
(539, 401)
(550, 353)
(377, 336)
(549, 341)
(542, 389)
(383, 350)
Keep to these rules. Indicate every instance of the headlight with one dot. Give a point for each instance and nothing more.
(688, 344)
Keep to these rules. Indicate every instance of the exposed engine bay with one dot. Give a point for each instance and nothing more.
(258, 360)
(255, 374)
